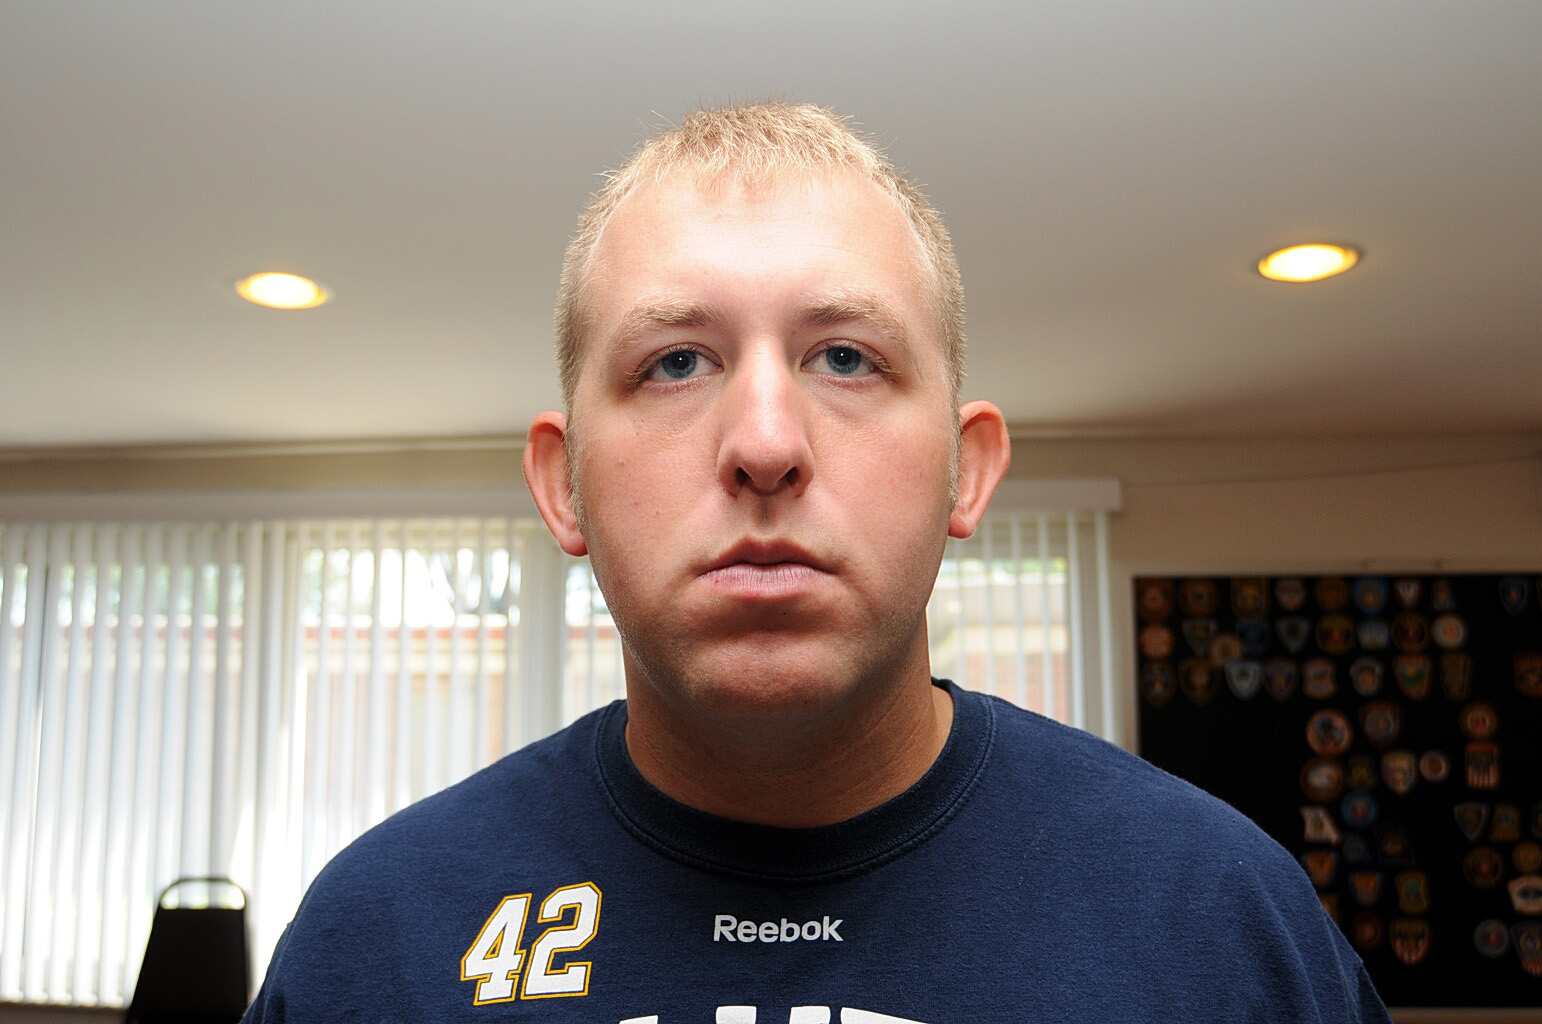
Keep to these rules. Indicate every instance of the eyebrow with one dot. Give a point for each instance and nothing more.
(856, 308)
(641, 319)
(828, 311)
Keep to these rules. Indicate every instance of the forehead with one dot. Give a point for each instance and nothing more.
(680, 237)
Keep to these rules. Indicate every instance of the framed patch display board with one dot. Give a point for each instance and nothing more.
(1387, 731)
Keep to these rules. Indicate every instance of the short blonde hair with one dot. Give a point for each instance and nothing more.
(758, 142)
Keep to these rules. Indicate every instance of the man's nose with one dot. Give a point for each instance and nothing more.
(765, 445)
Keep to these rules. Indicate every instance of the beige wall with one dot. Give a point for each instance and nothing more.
(455, 462)
(1335, 503)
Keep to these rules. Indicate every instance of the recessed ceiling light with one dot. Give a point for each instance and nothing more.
(282, 291)
(1311, 262)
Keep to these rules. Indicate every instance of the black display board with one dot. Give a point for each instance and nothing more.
(1388, 732)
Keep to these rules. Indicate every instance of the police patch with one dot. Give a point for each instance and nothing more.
(1528, 945)
(1526, 894)
(1156, 642)
(1321, 866)
(1153, 599)
(1196, 677)
(1491, 938)
(1479, 720)
(1448, 631)
(1412, 672)
(1335, 634)
(1293, 632)
(1370, 594)
(1399, 770)
(1435, 766)
(1482, 867)
(1197, 597)
(1254, 637)
(1410, 633)
(1374, 634)
(1322, 779)
(1198, 633)
(1528, 675)
(1249, 597)
(1365, 887)
(1328, 733)
(1317, 679)
(1456, 675)
(1317, 825)
(1224, 647)
(1505, 826)
(1413, 892)
(1471, 819)
(1280, 679)
(1365, 675)
(1158, 683)
(1408, 591)
(1483, 765)
(1366, 931)
(1410, 939)
(1514, 594)
(1244, 678)
(1382, 721)
(1290, 593)
(1359, 809)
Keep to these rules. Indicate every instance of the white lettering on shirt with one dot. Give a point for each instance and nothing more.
(727, 928)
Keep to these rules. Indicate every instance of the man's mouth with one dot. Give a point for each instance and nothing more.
(766, 554)
(765, 570)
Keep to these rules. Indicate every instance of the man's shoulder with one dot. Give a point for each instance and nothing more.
(1118, 839)
(1082, 782)
(528, 792)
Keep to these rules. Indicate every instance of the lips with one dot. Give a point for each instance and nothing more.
(766, 554)
(758, 572)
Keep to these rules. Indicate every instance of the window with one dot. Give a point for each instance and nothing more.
(243, 699)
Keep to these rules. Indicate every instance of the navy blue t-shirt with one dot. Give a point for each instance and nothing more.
(1034, 873)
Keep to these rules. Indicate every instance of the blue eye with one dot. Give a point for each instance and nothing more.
(845, 361)
(679, 365)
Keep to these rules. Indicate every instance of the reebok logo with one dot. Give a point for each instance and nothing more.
(727, 928)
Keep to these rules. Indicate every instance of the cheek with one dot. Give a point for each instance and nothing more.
(904, 471)
(632, 485)
(895, 507)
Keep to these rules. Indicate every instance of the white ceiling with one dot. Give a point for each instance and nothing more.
(1110, 171)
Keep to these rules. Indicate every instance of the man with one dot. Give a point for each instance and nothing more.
(760, 340)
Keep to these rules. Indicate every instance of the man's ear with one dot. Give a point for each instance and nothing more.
(985, 452)
(550, 481)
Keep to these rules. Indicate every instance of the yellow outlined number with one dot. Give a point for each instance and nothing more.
(496, 959)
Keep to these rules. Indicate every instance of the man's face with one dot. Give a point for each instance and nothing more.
(764, 437)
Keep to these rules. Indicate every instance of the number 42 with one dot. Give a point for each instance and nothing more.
(496, 960)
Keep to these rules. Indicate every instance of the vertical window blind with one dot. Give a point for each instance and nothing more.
(243, 699)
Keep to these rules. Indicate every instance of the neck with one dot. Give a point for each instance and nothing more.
(805, 769)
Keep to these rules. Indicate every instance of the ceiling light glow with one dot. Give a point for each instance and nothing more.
(1311, 262)
(282, 291)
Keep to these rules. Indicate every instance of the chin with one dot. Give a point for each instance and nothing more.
(764, 684)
